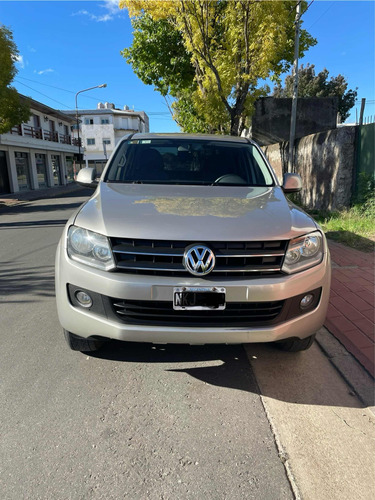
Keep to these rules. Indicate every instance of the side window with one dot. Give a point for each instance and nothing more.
(90, 142)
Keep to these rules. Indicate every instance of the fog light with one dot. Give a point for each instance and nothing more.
(306, 301)
(84, 299)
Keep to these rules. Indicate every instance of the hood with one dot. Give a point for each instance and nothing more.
(195, 213)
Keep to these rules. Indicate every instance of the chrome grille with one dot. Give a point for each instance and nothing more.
(162, 313)
(164, 257)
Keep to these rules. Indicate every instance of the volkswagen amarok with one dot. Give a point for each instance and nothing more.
(191, 239)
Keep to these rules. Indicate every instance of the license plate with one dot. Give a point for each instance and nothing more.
(198, 298)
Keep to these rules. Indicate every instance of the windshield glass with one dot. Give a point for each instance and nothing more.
(179, 161)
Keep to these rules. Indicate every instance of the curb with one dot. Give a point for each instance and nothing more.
(354, 374)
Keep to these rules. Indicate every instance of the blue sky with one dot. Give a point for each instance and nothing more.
(66, 46)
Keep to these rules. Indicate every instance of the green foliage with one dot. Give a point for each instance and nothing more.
(365, 188)
(158, 56)
(354, 227)
(12, 110)
(312, 85)
(187, 117)
(210, 55)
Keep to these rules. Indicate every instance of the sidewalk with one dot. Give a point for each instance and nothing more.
(38, 194)
(350, 316)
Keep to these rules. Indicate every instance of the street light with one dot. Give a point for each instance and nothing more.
(79, 140)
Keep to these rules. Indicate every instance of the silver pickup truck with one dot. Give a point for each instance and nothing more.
(190, 239)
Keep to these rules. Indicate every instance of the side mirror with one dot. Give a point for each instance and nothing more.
(292, 183)
(87, 177)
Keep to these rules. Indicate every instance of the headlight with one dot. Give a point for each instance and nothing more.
(90, 248)
(303, 252)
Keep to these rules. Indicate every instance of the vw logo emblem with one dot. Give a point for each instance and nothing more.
(199, 260)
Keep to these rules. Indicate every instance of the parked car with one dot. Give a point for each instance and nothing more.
(190, 239)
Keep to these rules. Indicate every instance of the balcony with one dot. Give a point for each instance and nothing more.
(44, 135)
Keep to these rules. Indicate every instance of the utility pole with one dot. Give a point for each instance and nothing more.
(363, 102)
(293, 118)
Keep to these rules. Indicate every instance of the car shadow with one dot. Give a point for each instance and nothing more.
(230, 366)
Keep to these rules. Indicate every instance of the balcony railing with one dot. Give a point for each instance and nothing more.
(32, 132)
(46, 135)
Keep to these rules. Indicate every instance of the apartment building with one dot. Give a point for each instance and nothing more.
(102, 128)
(40, 153)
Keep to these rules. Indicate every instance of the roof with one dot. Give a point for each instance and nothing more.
(201, 137)
(104, 111)
(43, 108)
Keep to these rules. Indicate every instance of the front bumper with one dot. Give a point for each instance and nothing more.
(86, 324)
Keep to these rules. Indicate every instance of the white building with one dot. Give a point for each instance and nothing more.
(102, 128)
(39, 153)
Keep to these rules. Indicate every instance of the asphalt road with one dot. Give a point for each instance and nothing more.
(139, 421)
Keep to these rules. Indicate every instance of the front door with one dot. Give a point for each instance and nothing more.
(56, 169)
(41, 169)
(4, 176)
(23, 171)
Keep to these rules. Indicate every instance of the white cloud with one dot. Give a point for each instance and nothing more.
(19, 60)
(112, 11)
(111, 6)
(31, 49)
(43, 71)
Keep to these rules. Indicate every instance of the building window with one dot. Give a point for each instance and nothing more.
(36, 122)
(89, 121)
(23, 171)
(90, 142)
(41, 169)
(106, 141)
(56, 170)
(105, 121)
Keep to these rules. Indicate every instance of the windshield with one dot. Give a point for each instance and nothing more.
(178, 161)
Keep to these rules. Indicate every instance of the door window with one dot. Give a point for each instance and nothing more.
(23, 172)
(56, 170)
(41, 169)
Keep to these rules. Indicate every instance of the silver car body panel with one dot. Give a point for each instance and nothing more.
(198, 214)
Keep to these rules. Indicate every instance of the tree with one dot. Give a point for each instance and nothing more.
(158, 58)
(224, 48)
(311, 85)
(12, 110)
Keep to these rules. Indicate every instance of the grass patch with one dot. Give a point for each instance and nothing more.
(354, 227)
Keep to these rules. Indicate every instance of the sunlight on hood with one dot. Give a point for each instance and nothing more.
(215, 207)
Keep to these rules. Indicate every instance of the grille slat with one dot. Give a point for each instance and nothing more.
(164, 257)
(162, 312)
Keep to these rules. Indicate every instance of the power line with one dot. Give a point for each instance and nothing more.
(58, 88)
(150, 113)
(324, 13)
(312, 1)
(41, 93)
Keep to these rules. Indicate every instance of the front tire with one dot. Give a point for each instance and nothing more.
(81, 344)
(296, 345)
